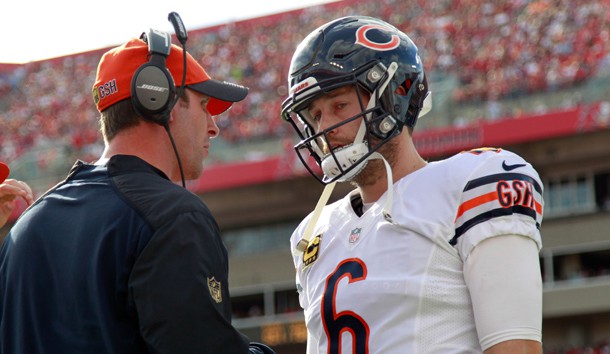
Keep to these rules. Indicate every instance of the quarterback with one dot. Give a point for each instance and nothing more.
(421, 257)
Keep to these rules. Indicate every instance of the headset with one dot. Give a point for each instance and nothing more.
(152, 86)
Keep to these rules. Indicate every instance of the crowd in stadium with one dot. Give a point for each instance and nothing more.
(496, 49)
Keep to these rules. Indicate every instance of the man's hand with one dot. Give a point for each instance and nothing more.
(10, 190)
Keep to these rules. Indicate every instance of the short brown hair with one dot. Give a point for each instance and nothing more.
(121, 116)
(117, 117)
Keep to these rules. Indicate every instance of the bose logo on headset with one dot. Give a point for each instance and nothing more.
(154, 88)
(152, 85)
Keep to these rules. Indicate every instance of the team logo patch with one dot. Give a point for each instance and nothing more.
(355, 235)
(215, 289)
(363, 38)
(96, 96)
(312, 252)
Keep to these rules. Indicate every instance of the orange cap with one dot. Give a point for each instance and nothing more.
(118, 65)
(4, 171)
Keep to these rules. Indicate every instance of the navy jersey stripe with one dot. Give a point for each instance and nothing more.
(502, 177)
(515, 209)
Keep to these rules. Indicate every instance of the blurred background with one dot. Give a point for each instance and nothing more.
(532, 77)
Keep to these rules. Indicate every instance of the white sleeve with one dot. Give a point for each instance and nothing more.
(504, 279)
(312, 344)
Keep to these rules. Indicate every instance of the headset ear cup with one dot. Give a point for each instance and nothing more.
(152, 90)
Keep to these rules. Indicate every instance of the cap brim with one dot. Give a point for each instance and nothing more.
(4, 171)
(223, 94)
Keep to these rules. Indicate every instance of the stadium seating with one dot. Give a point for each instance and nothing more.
(494, 49)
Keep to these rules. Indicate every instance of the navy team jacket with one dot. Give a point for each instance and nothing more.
(116, 259)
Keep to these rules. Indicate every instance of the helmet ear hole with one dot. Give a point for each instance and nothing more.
(416, 102)
(403, 88)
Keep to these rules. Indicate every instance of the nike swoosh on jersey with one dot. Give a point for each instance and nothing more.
(511, 167)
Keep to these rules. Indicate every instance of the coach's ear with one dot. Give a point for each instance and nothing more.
(171, 115)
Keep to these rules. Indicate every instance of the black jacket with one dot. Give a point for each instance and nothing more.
(116, 259)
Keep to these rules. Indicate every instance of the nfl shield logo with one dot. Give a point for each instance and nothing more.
(355, 235)
(215, 289)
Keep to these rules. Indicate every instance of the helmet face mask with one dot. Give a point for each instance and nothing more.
(344, 162)
(381, 63)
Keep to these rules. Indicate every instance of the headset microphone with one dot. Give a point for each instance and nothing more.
(179, 29)
(182, 36)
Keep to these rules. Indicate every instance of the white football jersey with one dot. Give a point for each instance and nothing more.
(370, 286)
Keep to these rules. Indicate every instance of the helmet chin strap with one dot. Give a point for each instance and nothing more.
(326, 193)
(345, 157)
(387, 208)
(304, 241)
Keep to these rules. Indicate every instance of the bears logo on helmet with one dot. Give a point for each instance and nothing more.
(362, 39)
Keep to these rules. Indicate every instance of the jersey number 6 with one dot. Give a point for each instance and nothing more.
(335, 324)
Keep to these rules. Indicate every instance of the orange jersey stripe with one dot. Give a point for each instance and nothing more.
(474, 202)
(482, 199)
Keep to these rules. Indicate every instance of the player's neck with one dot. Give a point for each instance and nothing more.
(378, 182)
